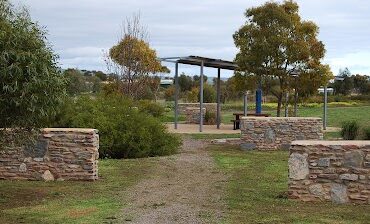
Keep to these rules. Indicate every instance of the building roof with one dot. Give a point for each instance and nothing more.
(207, 62)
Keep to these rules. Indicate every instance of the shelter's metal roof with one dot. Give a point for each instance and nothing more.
(207, 62)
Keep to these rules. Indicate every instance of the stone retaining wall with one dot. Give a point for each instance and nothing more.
(211, 107)
(337, 171)
(59, 154)
(271, 133)
(193, 115)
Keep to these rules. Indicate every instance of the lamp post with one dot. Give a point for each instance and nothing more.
(324, 122)
(325, 117)
(295, 74)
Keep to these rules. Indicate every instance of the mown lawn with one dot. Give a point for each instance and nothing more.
(257, 192)
(72, 202)
(337, 113)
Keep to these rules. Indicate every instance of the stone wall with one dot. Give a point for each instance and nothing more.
(193, 115)
(59, 154)
(211, 107)
(271, 133)
(337, 171)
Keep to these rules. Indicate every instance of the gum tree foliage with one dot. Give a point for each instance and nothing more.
(274, 42)
(132, 60)
(185, 82)
(31, 86)
(78, 82)
(349, 83)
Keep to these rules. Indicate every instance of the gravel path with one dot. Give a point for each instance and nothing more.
(185, 188)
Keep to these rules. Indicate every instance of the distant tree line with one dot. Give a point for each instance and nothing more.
(346, 83)
(189, 89)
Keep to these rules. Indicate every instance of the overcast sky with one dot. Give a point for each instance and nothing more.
(80, 30)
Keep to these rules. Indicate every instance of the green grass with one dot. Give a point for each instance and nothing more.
(72, 202)
(336, 115)
(332, 135)
(170, 117)
(257, 192)
(337, 112)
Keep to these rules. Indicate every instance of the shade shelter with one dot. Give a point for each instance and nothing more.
(202, 62)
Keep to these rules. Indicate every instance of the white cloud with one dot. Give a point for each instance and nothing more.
(79, 29)
(357, 63)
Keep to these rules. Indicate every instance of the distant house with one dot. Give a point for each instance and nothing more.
(166, 81)
(330, 90)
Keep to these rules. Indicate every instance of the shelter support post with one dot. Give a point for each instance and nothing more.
(245, 103)
(286, 104)
(176, 93)
(218, 116)
(201, 98)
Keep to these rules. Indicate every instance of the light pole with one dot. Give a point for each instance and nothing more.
(325, 117)
(324, 122)
(295, 74)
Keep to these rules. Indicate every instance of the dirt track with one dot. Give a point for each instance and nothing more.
(185, 188)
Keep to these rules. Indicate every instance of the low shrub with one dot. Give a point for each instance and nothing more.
(125, 130)
(365, 98)
(350, 130)
(210, 118)
(366, 133)
(151, 108)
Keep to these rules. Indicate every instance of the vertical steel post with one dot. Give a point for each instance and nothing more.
(245, 103)
(201, 98)
(286, 103)
(218, 117)
(325, 107)
(176, 93)
(295, 102)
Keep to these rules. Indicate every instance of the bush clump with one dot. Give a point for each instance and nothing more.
(151, 108)
(350, 130)
(125, 130)
(366, 133)
(210, 118)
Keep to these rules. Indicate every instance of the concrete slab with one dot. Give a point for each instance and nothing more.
(207, 129)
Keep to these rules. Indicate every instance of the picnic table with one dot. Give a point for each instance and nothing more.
(236, 121)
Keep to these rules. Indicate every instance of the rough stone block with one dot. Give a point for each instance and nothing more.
(316, 189)
(339, 193)
(353, 159)
(323, 162)
(348, 176)
(298, 166)
(23, 168)
(248, 146)
(285, 146)
(47, 176)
